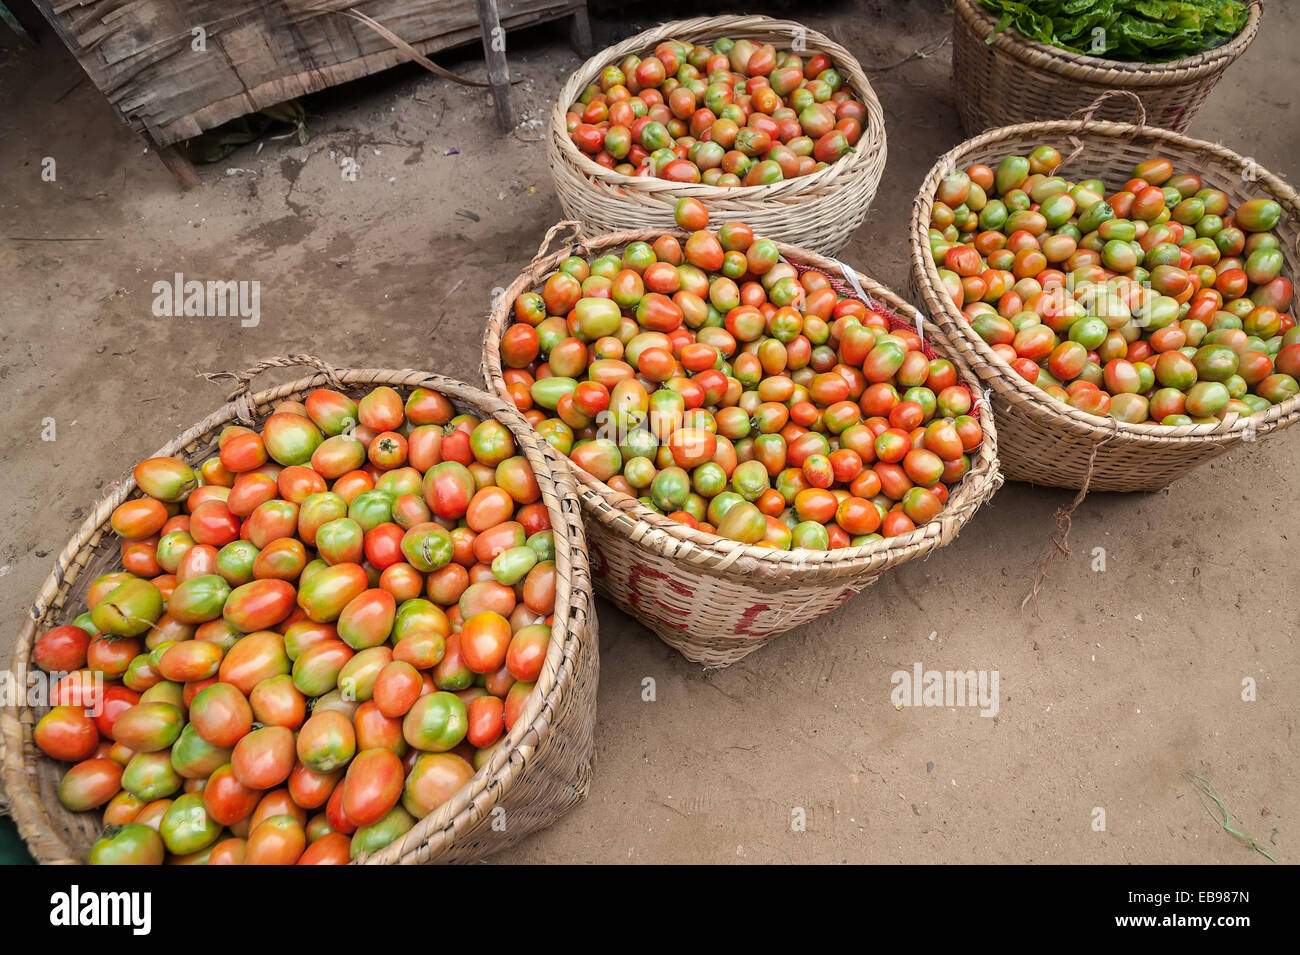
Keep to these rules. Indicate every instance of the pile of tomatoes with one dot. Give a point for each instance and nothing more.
(1157, 303)
(318, 635)
(734, 114)
(731, 391)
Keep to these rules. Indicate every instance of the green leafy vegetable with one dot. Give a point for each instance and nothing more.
(1147, 31)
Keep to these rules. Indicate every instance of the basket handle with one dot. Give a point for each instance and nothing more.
(570, 225)
(1060, 541)
(240, 397)
(1086, 113)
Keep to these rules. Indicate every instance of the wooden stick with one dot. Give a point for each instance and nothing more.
(495, 54)
(177, 162)
(580, 31)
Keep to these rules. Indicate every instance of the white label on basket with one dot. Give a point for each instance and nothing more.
(851, 277)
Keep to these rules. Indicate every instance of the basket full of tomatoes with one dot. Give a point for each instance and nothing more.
(1124, 291)
(348, 618)
(764, 121)
(758, 432)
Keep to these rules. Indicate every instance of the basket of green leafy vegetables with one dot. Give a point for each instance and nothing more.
(1017, 61)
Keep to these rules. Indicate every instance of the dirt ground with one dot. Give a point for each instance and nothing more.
(1130, 677)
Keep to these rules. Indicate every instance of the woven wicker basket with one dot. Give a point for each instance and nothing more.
(1045, 441)
(544, 766)
(819, 211)
(713, 599)
(1016, 80)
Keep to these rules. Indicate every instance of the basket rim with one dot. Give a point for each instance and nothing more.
(498, 775)
(1135, 74)
(564, 150)
(678, 541)
(1000, 374)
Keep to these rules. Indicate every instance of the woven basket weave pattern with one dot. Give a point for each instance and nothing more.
(542, 769)
(713, 599)
(1045, 441)
(819, 211)
(1016, 80)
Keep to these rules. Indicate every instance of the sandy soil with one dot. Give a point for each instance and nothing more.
(1129, 677)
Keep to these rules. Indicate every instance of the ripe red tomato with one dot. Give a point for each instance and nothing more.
(61, 649)
(66, 733)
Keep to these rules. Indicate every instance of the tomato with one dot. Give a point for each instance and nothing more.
(310, 789)
(486, 721)
(256, 657)
(448, 489)
(367, 619)
(259, 605)
(278, 840)
(374, 837)
(66, 733)
(128, 844)
(250, 491)
(149, 727)
(515, 701)
(139, 519)
(167, 479)
(243, 452)
(372, 787)
(397, 688)
(150, 776)
(422, 649)
(90, 783)
(484, 641)
(116, 700)
(434, 779)
(186, 826)
(129, 609)
(436, 723)
(111, 656)
(221, 714)
(333, 848)
(326, 742)
(276, 701)
(227, 800)
(326, 593)
(358, 675)
(375, 731)
(264, 757)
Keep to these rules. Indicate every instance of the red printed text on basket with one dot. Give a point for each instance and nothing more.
(677, 615)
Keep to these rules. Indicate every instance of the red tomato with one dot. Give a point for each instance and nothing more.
(279, 840)
(372, 787)
(486, 720)
(66, 733)
(484, 641)
(61, 649)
